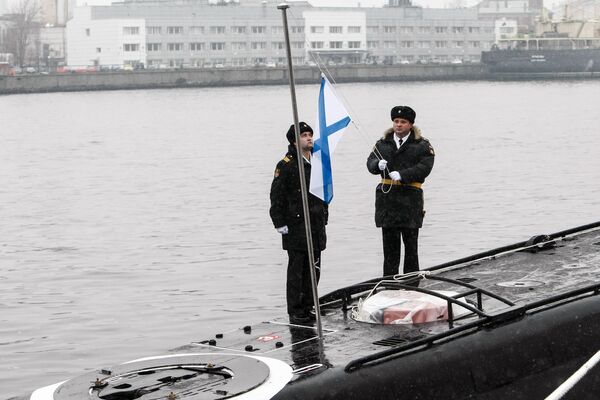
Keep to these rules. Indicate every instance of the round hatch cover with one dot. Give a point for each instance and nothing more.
(181, 376)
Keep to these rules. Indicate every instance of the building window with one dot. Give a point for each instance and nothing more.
(372, 29)
(196, 30)
(297, 29)
(277, 45)
(372, 44)
(335, 45)
(196, 46)
(153, 46)
(154, 63)
(389, 44)
(354, 29)
(258, 45)
(441, 29)
(297, 60)
(424, 44)
(175, 30)
(424, 29)
(354, 45)
(131, 47)
(176, 63)
(475, 44)
(238, 46)
(316, 45)
(98, 50)
(316, 29)
(131, 30)
(259, 29)
(175, 46)
(217, 30)
(440, 44)
(259, 61)
(459, 44)
(238, 61)
(238, 30)
(87, 31)
(389, 60)
(406, 44)
(297, 45)
(458, 29)
(153, 30)
(406, 29)
(277, 30)
(389, 29)
(473, 29)
(217, 46)
(335, 29)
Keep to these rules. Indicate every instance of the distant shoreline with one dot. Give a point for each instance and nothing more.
(224, 77)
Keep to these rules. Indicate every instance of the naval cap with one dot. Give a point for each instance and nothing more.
(291, 133)
(404, 112)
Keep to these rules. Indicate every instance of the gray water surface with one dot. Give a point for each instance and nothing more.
(136, 221)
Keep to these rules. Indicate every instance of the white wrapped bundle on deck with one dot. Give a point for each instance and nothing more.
(406, 307)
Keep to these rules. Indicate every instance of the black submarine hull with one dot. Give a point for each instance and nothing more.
(526, 358)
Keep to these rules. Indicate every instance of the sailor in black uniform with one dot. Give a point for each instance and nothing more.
(288, 218)
(403, 159)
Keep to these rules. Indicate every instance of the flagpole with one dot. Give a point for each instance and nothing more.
(309, 243)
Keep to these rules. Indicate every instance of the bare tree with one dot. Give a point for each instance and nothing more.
(25, 16)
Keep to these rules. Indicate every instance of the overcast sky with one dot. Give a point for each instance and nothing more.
(372, 3)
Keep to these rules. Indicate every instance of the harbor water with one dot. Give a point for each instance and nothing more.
(136, 221)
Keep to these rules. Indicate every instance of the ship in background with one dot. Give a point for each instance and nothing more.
(570, 45)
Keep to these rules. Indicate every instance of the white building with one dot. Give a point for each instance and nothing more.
(116, 41)
(336, 36)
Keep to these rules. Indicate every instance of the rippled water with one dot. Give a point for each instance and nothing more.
(136, 221)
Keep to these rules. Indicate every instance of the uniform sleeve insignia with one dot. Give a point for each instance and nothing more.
(277, 172)
(286, 159)
(431, 150)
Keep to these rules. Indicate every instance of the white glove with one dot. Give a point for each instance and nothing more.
(382, 164)
(283, 230)
(395, 175)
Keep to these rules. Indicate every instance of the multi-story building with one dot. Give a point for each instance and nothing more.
(191, 34)
(335, 36)
(414, 34)
(525, 12)
(201, 33)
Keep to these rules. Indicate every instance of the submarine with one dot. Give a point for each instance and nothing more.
(513, 322)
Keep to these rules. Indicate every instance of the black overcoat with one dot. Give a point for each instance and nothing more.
(401, 206)
(286, 205)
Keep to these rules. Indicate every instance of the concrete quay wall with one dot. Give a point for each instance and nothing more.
(147, 79)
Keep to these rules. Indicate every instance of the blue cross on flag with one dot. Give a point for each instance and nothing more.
(332, 120)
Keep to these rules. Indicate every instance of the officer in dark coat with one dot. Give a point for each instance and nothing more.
(403, 159)
(288, 218)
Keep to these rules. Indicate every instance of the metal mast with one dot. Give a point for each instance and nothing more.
(309, 243)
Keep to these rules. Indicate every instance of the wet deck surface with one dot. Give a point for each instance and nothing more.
(521, 277)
